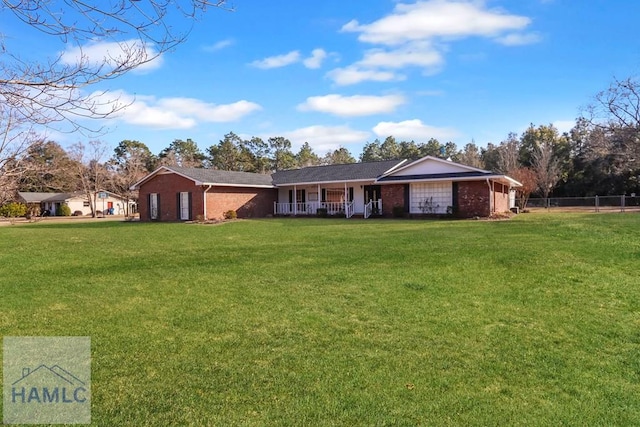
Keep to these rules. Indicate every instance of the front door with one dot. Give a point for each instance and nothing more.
(372, 193)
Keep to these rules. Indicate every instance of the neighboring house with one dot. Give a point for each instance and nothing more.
(423, 187)
(39, 203)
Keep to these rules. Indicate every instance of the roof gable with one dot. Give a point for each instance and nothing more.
(434, 166)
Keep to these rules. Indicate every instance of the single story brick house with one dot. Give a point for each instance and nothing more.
(423, 187)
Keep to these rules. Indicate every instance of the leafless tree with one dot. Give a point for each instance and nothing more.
(91, 172)
(16, 137)
(508, 154)
(546, 168)
(54, 90)
(136, 32)
(619, 105)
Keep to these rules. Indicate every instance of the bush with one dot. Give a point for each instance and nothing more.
(322, 213)
(64, 210)
(398, 211)
(13, 210)
(231, 214)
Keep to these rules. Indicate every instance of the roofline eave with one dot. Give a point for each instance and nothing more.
(340, 181)
(503, 178)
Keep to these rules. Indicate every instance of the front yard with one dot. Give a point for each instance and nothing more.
(532, 321)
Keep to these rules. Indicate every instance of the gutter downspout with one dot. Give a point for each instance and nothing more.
(490, 197)
(204, 200)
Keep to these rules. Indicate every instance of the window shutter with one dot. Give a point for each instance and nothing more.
(159, 218)
(323, 195)
(406, 198)
(290, 196)
(149, 205)
(190, 207)
(178, 213)
(454, 196)
(303, 196)
(351, 194)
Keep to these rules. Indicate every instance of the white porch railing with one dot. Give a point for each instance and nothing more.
(348, 209)
(300, 208)
(367, 209)
(372, 208)
(311, 208)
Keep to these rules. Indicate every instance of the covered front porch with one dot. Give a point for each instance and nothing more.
(332, 199)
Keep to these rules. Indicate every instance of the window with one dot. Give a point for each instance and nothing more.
(431, 198)
(335, 195)
(85, 204)
(184, 201)
(154, 205)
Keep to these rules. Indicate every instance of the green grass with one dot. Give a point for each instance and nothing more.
(319, 322)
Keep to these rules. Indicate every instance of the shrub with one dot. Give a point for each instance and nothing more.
(13, 210)
(64, 210)
(322, 213)
(398, 211)
(230, 214)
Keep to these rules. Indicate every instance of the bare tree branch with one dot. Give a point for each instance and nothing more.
(135, 32)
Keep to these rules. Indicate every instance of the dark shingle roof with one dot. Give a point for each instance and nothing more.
(333, 173)
(213, 176)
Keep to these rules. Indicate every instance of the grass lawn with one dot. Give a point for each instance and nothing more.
(321, 322)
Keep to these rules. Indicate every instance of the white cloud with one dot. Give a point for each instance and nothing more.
(352, 75)
(129, 52)
(413, 130)
(173, 113)
(326, 138)
(277, 61)
(416, 35)
(357, 105)
(519, 39)
(426, 20)
(208, 112)
(316, 59)
(413, 54)
(219, 45)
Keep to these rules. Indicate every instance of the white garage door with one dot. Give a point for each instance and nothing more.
(431, 197)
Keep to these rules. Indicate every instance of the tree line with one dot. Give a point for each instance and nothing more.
(599, 155)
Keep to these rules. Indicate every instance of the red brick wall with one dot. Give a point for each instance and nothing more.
(247, 202)
(473, 199)
(168, 186)
(500, 198)
(392, 195)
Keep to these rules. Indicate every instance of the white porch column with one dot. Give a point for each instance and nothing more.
(319, 197)
(346, 197)
(295, 200)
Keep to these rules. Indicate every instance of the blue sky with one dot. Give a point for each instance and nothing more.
(338, 73)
